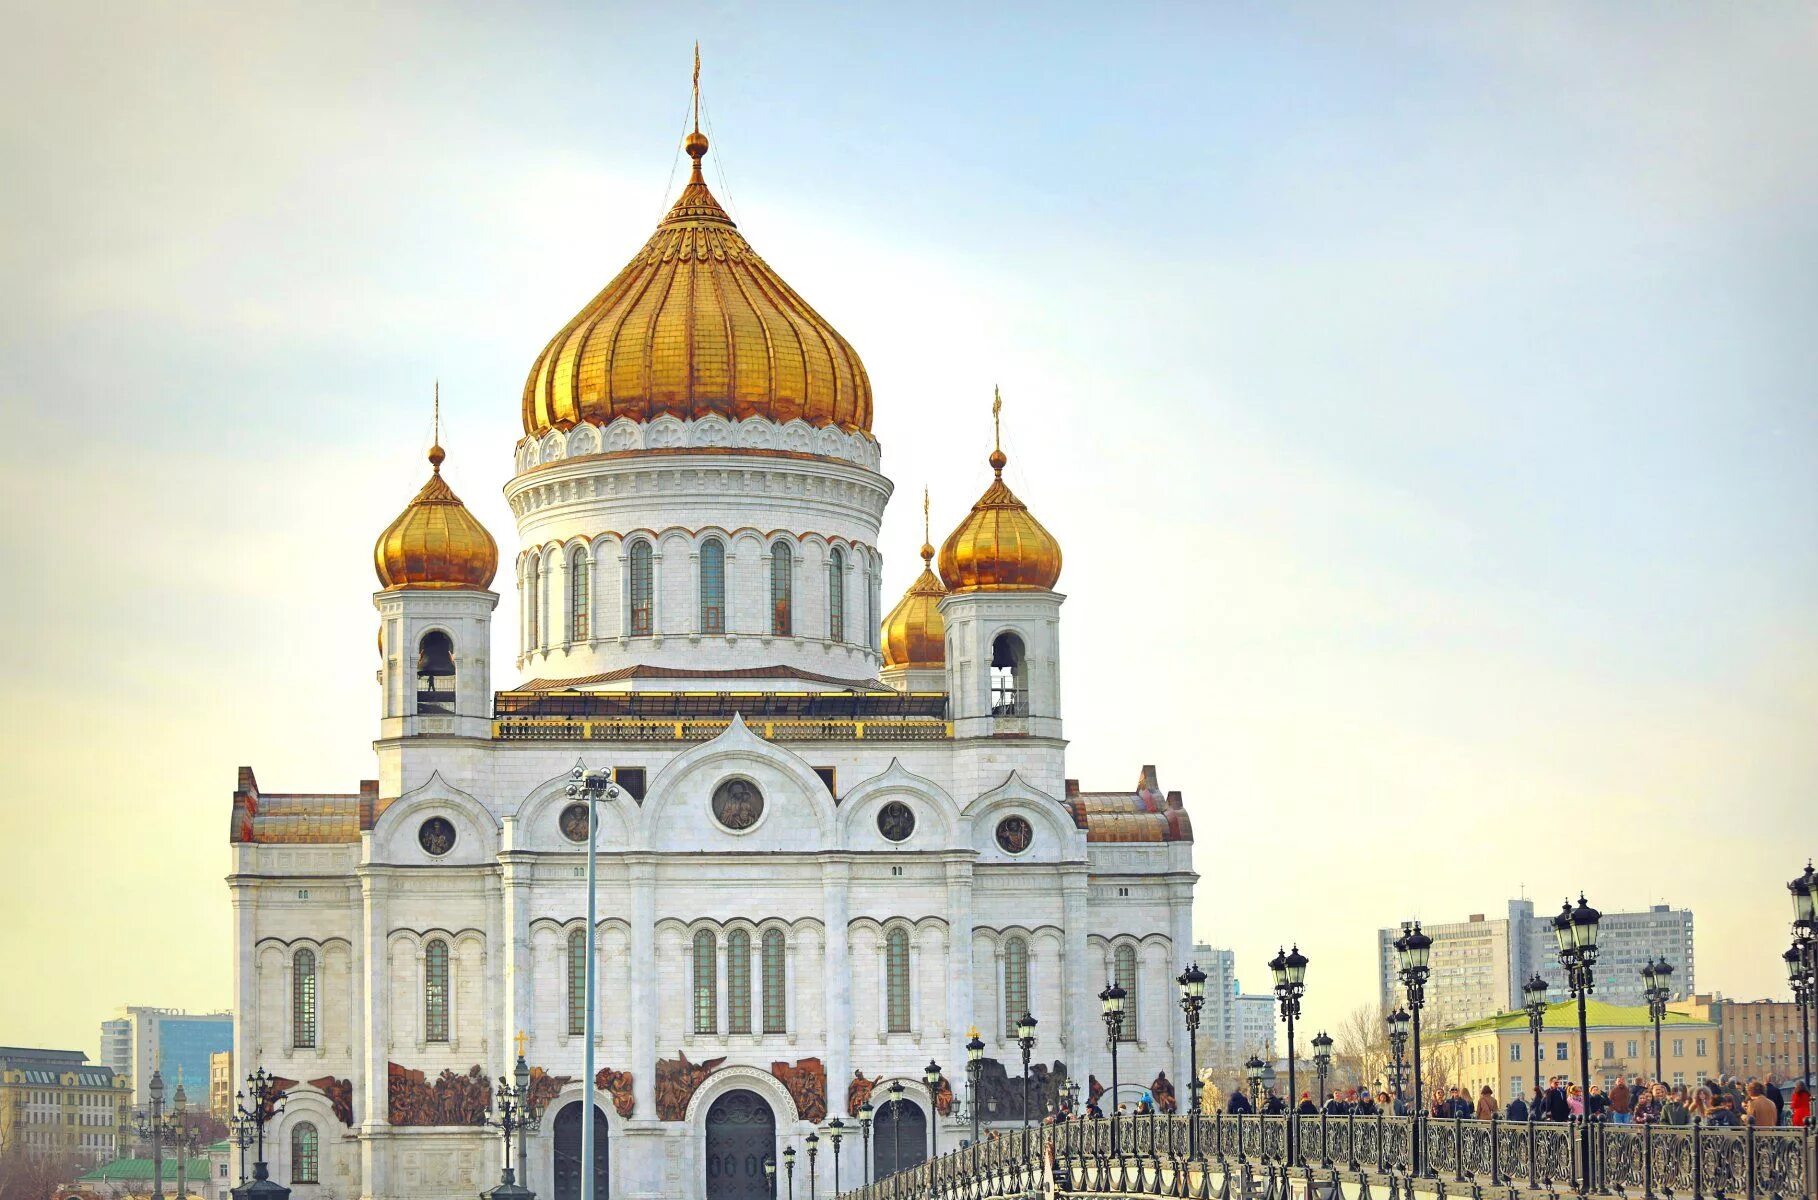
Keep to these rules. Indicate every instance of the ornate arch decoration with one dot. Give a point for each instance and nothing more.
(1049, 814)
(534, 825)
(735, 745)
(301, 943)
(571, 1094)
(859, 807)
(394, 832)
(732, 1079)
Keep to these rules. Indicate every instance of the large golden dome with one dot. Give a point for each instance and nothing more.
(695, 324)
(435, 542)
(1000, 546)
(915, 633)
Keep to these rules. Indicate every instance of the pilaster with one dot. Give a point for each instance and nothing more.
(836, 882)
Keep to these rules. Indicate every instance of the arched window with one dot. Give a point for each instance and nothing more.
(305, 1159)
(706, 969)
(896, 980)
(713, 586)
(871, 627)
(738, 982)
(776, 1013)
(639, 586)
(303, 999)
(1009, 689)
(533, 603)
(1016, 983)
(1123, 969)
(577, 982)
(580, 597)
(782, 572)
(435, 991)
(435, 673)
(836, 596)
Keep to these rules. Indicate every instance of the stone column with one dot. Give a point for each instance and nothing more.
(836, 976)
(519, 999)
(375, 1072)
(960, 1016)
(641, 876)
(1079, 1003)
(246, 1000)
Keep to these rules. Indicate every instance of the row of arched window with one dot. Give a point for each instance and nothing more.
(640, 594)
(773, 1014)
(303, 992)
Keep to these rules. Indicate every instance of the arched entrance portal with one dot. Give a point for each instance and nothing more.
(568, 1154)
(741, 1134)
(899, 1137)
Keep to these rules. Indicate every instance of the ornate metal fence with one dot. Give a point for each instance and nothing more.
(1223, 1157)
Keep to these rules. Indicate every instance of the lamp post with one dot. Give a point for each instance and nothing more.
(1575, 931)
(1322, 1062)
(770, 1176)
(1192, 983)
(152, 1126)
(836, 1129)
(1804, 956)
(865, 1115)
(1412, 950)
(1111, 1000)
(1290, 970)
(814, 1145)
(591, 787)
(260, 1104)
(789, 1169)
(243, 1135)
(182, 1137)
(975, 1065)
(1799, 975)
(1534, 999)
(896, 1125)
(931, 1075)
(1398, 1047)
(1656, 987)
(1253, 1071)
(1025, 1041)
(510, 1114)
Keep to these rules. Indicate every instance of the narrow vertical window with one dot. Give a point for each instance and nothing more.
(776, 1014)
(713, 586)
(782, 571)
(580, 597)
(533, 602)
(871, 626)
(638, 611)
(836, 596)
(577, 982)
(738, 982)
(303, 999)
(1123, 967)
(896, 980)
(305, 1164)
(706, 970)
(1016, 983)
(435, 991)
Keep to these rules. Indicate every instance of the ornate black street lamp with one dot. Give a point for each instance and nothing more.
(265, 1102)
(1192, 999)
(896, 1125)
(1290, 970)
(931, 1075)
(1111, 1000)
(1656, 987)
(1322, 1062)
(814, 1146)
(770, 1176)
(975, 1065)
(1802, 960)
(156, 1128)
(1805, 989)
(1575, 930)
(1025, 1041)
(510, 1114)
(836, 1129)
(1412, 949)
(1534, 999)
(866, 1114)
(789, 1169)
(243, 1137)
(1398, 1048)
(1253, 1071)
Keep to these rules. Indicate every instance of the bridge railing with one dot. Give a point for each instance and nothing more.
(1173, 1155)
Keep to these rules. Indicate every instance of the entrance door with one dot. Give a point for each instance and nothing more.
(568, 1154)
(899, 1137)
(741, 1134)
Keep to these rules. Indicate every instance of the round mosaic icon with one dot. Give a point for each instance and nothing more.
(896, 821)
(1014, 834)
(737, 804)
(436, 836)
(574, 822)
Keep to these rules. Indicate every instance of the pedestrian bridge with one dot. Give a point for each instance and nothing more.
(1329, 1157)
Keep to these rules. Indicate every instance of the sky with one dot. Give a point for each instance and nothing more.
(1423, 395)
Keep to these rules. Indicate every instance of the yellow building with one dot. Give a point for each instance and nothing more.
(1499, 1050)
(55, 1103)
(221, 1086)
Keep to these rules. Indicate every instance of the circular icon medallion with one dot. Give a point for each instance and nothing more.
(574, 822)
(1014, 834)
(896, 821)
(436, 836)
(737, 804)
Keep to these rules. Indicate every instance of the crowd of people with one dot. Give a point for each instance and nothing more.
(1725, 1101)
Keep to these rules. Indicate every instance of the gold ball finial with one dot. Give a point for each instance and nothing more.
(998, 459)
(436, 456)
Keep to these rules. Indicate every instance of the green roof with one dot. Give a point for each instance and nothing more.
(1563, 1017)
(141, 1168)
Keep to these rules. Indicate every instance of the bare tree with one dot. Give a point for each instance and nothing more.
(1363, 1047)
(25, 1176)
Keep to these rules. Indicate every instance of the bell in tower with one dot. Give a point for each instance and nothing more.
(435, 673)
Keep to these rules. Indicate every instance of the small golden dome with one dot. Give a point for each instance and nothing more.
(915, 634)
(435, 542)
(1000, 546)
(695, 324)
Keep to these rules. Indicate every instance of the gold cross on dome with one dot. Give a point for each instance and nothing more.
(520, 1040)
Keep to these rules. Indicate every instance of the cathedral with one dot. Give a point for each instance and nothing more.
(845, 842)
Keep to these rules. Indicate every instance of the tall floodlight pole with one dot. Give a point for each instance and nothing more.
(1192, 983)
(1413, 948)
(1290, 970)
(590, 787)
(1575, 931)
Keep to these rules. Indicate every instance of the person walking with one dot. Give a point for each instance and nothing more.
(1486, 1104)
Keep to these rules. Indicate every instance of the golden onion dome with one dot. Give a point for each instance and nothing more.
(435, 542)
(1000, 546)
(915, 634)
(695, 324)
